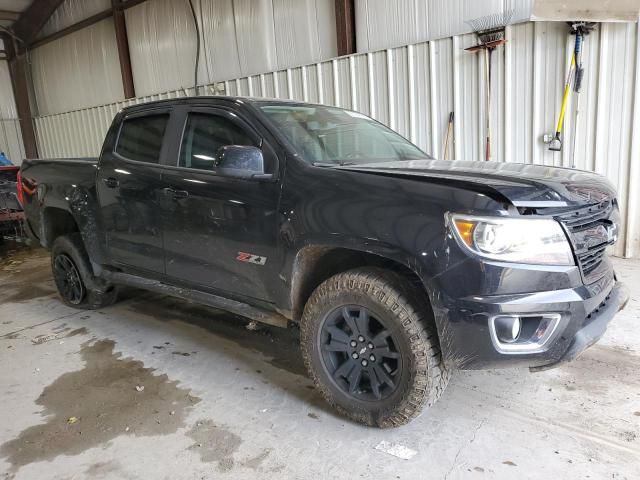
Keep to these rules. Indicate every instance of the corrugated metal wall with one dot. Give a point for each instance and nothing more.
(10, 133)
(414, 88)
(71, 12)
(238, 37)
(383, 24)
(77, 70)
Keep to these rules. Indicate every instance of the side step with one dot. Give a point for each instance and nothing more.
(233, 306)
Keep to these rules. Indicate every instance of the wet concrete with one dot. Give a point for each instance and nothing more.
(28, 271)
(109, 397)
(223, 401)
(281, 345)
(214, 443)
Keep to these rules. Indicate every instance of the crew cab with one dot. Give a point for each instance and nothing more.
(397, 268)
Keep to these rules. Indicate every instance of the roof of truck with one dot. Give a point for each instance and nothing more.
(217, 98)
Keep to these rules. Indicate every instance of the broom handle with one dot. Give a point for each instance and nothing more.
(447, 138)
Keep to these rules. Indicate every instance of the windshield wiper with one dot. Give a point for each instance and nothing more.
(332, 164)
(325, 164)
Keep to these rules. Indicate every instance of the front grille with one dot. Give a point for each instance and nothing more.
(590, 260)
(588, 229)
(585, 217)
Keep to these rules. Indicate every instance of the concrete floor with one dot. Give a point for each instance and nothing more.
(220, 401)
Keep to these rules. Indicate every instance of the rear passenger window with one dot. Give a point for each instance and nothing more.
(141, 138)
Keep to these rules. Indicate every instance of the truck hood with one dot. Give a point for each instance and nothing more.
(524, 185)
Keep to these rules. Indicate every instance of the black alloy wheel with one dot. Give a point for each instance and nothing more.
(68, 279)
(370, 344)
(359, 353)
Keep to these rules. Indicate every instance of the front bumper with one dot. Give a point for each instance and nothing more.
(593, 331)
(584, 312)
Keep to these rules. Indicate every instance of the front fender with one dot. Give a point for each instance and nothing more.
(316, 259)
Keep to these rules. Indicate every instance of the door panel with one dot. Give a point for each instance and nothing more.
(207, 230)
(220, 232)
(129, 190)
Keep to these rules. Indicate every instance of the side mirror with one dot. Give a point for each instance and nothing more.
(241, 161)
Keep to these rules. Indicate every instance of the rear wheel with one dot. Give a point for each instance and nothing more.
(68, 281)
(73, 276)
(370, 345)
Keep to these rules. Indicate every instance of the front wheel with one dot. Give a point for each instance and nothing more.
(74, 278)
(370, 346)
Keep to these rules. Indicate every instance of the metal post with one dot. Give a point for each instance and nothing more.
(18, 73)
(346, 27)
(123, 49)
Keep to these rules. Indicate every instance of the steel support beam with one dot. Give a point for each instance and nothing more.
(33, 19)
(123, 49)
(18, 72)
(87, 22)
(8, 15)
(346, 26)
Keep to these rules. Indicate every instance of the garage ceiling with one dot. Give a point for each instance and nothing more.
(10, 10)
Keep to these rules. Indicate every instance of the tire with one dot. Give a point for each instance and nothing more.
(401, 367)
(77, 286)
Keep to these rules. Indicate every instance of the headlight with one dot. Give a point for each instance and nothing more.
(539, 241)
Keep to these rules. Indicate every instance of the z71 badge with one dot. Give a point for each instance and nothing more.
(251, 258)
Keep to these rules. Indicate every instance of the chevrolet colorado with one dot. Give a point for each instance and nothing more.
(397, 267)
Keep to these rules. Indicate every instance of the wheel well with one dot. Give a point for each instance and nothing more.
(316, 264)
(57, 222)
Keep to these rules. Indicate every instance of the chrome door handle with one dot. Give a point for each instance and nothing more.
(111, 182)
(175, 194)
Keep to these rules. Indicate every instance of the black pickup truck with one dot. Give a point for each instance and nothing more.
(398, 268)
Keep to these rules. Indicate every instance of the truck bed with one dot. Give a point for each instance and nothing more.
(63, 171)
(58, 178)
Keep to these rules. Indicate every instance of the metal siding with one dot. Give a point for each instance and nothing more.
(300, 31)
(255, 36)
(586, 10)
(617, 119)
(77, 70)
(520, 77)
(470, 104)
(10, 132)
(422, 97)
(378, 75)
(383, 23)
(413, 88)
(72, 12)
(238, 38)
(162, 46)
(442, 71)
(550, 41)
(632, 240)
(218, 32)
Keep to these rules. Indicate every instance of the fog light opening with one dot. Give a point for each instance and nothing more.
(523, 333)
(540, 332)
(508, 328)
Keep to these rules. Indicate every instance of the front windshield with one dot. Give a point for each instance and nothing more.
(333, 136)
